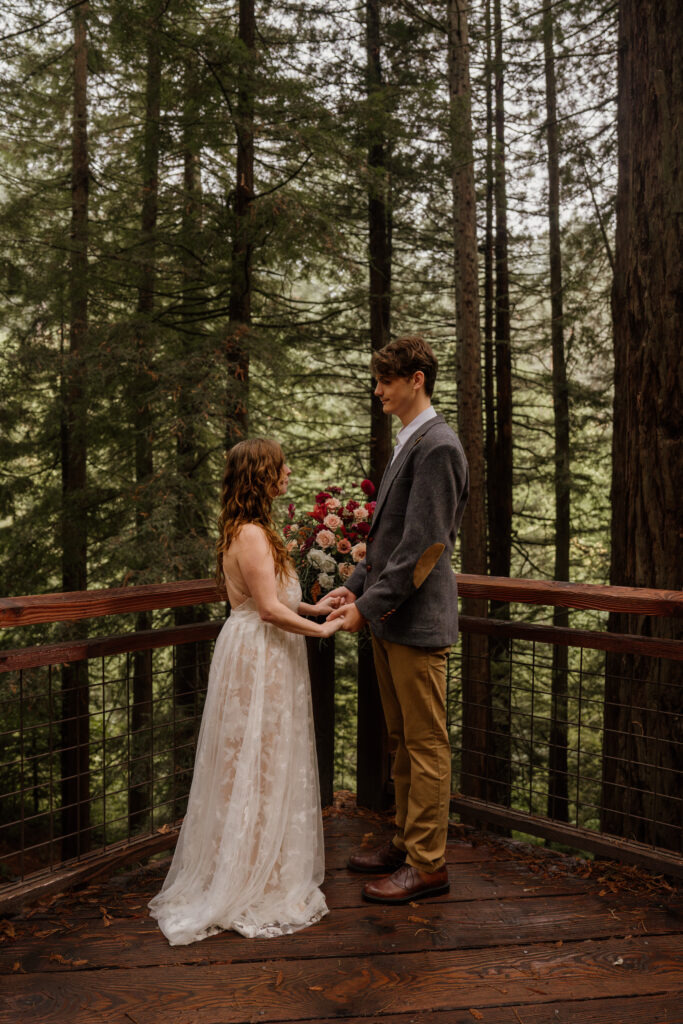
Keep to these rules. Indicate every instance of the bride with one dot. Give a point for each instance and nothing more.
(250, 853)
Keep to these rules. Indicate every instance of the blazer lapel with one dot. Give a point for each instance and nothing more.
(391, 472)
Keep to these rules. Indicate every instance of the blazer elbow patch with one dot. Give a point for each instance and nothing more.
(426, 563)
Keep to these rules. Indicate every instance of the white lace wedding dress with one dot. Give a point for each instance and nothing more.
(250, 854)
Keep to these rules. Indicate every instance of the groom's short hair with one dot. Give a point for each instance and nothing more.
(405, 356)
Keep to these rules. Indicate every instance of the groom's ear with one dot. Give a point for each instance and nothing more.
(426, 563)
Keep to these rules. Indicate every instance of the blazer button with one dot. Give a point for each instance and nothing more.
(370, 540)
(368, 568)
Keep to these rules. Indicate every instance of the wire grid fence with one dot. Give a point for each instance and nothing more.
(585, 739)
(138, 773)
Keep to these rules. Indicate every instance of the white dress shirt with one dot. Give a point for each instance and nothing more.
(414, 425)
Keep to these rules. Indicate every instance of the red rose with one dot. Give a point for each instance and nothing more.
(363, 529)
(370, 506)
(350, 505)
(290, 509)
(367, 487)
(322, 497)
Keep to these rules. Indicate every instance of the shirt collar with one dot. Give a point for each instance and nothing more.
(405, 432)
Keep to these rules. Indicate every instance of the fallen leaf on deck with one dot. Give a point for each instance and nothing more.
(16, 966)
(279, 979)
(477, 1015)
(164, 829)
(411, 904)
(418, 920)
(559, 942)
(315, 988)
(8, 928)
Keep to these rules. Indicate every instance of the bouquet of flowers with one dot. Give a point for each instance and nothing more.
(327, 542)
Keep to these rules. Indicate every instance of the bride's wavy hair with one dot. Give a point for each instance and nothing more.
(250, 482)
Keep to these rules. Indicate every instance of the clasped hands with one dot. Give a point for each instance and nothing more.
(340, 604)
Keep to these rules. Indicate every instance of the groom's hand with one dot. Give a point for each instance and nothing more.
(347, 596)
(352, 620)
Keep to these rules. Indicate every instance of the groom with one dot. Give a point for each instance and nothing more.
(406, 590)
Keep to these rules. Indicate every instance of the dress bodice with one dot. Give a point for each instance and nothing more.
(288, 591)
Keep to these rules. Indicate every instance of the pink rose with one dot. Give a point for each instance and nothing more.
(358, 551)
(343, 546)
(324, 539)
(345, 570)
(333, 504)
(359, 514)
(332, 522)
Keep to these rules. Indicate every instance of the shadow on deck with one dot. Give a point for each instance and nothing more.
(524, 937)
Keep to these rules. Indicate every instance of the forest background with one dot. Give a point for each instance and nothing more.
(211, 213)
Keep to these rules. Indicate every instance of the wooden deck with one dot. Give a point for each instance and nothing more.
(524, 937)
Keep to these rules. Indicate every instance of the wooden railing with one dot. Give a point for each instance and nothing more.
(522, 721)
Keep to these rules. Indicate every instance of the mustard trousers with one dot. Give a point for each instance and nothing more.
(412, 686)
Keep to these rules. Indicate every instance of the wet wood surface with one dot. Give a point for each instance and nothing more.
(523, 937)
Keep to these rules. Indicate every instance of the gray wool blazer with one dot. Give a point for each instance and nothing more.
(405, 586)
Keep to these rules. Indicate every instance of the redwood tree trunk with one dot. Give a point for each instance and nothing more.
(75, 730)
(500, 508)
(379, 223)
(558, 793)
(644, 698)
(237, 348)
(373, 756)
(191, 660)
(476, 697)
(140, 794)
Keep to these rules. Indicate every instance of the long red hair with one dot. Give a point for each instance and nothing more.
(250, 482)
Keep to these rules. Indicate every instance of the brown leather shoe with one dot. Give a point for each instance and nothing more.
(380, 861)
(407, 884)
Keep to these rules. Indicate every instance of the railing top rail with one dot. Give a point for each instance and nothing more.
(633, 600)
(87, 604)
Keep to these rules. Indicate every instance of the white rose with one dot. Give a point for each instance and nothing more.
(326, 581)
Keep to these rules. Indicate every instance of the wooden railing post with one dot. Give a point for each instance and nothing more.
(321, 669)
(372, 757)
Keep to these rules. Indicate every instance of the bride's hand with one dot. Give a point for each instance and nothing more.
(330, 627)
(327, 604)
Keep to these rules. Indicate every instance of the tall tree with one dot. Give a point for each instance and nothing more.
(75, 690)
(379, 227)
(142, 397)
(243, 231)
(476, 691)
(373, 757)
(643, 697)
(558, 795)
(500, 509)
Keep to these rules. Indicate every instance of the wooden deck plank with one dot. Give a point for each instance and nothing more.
(344, 987)
(512, 879)
(659, 1009)
(366, 930)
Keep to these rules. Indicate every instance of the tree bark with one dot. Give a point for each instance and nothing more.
(489, 353)
(379, 228)
(643, 721)
(558, 793)
(190, 671)
(373, 757)
(75, 729)
(500, 509)
(237, 348)
(140, 794)
(476, 696)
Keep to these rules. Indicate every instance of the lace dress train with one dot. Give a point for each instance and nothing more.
(250, 853)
